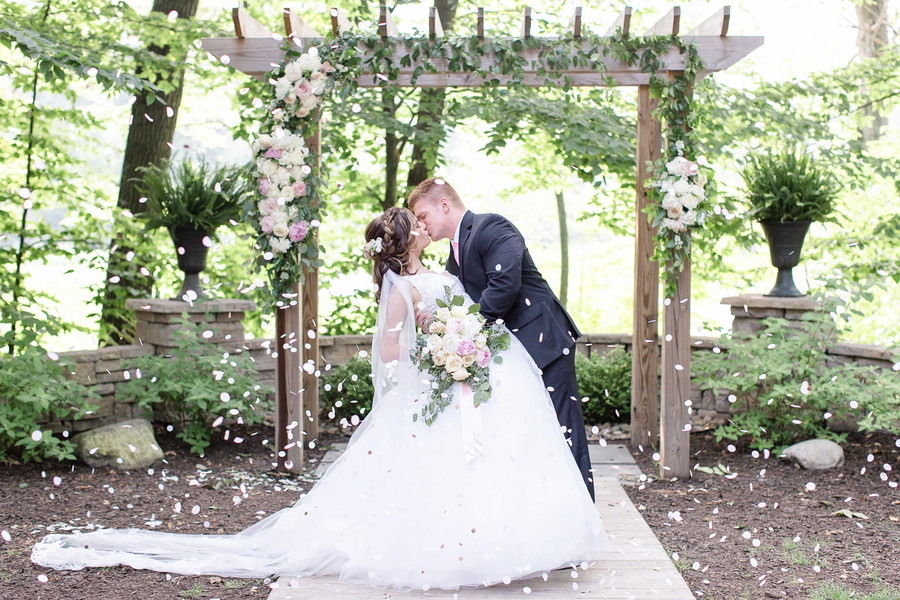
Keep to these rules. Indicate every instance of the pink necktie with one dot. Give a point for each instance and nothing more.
(455, 246)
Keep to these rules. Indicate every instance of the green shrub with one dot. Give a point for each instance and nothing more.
(786, 389)
(347, 389)
(605, 379)
(195, 384)
(34, 388)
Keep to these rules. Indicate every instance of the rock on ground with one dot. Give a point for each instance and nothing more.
(126, 445)
(815, 454)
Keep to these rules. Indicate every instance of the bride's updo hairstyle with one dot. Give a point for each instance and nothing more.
(388, 239)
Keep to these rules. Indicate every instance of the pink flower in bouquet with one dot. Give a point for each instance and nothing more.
(273, 153)
(264, 186)
(267, 224)
(483, 357)
(299, 188)
(298, 231)
(303, 90)
(453, 327)
(465, 348)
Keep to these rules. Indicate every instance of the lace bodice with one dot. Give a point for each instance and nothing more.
(431, 287)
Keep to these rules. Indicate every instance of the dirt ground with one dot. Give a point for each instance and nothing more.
(755, 527)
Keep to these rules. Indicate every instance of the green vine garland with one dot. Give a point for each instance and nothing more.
(286, 254)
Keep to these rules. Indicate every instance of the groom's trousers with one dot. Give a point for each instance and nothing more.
(559, 377)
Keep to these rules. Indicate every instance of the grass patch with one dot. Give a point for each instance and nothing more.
(831, 591)
(195, 591)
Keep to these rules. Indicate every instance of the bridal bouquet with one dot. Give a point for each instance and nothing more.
(457, 346)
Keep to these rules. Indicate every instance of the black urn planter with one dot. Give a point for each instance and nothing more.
(785, 243)
(191, 258)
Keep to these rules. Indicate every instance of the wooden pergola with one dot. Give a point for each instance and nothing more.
(256, 50)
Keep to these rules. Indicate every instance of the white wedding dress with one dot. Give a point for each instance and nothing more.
(405, 506)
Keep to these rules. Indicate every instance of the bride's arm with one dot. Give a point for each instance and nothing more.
(396, 317)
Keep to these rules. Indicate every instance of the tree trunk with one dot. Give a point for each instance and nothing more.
(430, 117)
(392, 148)
(871, 39)
(149, 137)
(563, 248)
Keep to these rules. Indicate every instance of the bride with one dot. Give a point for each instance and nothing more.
(483, 495)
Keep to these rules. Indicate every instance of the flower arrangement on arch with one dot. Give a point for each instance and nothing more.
(457, 346)
(681, 188)
(289, 205)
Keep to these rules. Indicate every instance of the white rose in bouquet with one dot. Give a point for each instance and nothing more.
(458, 312)
(468, 361)
(281, 230)
(454, 363)
(309, 62)
(434, 342)
(443, 314)
(460, 374)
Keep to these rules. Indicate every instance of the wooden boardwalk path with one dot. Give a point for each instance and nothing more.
(635, 568)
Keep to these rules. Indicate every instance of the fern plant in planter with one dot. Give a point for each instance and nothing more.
(787, 190)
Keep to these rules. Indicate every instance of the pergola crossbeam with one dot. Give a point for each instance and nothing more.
(716, 24)
(246, 26)
(297, 28)
(622, 23)
(435, 29)
(255, 57)
(668, 24)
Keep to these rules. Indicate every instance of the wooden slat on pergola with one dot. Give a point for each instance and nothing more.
(256, 50)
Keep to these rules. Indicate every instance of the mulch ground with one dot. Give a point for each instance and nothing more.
(756, 527)
(761, 527)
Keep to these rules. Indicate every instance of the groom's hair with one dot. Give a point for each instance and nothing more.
(433, 189)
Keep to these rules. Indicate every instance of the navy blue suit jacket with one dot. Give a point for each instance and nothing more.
(497, 271)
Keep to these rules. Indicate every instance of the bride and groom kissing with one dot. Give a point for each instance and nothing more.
(406, 506)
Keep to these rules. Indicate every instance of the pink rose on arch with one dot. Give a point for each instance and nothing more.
(299, 188)
(273, 153)
(303, 90)
(298, 231)
(270, 205)
(264, 186)
(267, 224)
(466, 348)
(483, 357)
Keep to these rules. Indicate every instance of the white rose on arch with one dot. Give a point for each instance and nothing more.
(281, 229)
(279, 245)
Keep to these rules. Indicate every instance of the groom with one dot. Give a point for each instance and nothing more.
(490, 258)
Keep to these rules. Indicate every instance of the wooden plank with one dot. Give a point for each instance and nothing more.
(716, 24)
(676, 380)
(635, 566)
(295, 27)
(668, 24)
(622, 22)
(246, 26)
(575, 23)
(479, 28)
(288, 401)
(645, 336)
(339, 22)
(435, 29)
(386, 27)
(257, 56)
(525, 31)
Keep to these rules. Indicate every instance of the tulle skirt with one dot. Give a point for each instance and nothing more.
(404, 507)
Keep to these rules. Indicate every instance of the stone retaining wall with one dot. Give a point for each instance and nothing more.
(105, 368)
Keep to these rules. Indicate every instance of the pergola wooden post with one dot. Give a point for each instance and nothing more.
(256, 51)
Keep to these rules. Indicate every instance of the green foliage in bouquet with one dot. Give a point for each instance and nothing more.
(196, 383)
(459, 347)
(789, 186)
(605, 379)
(33, 390)
(194, 194)
(347, 390)
(785, 387)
